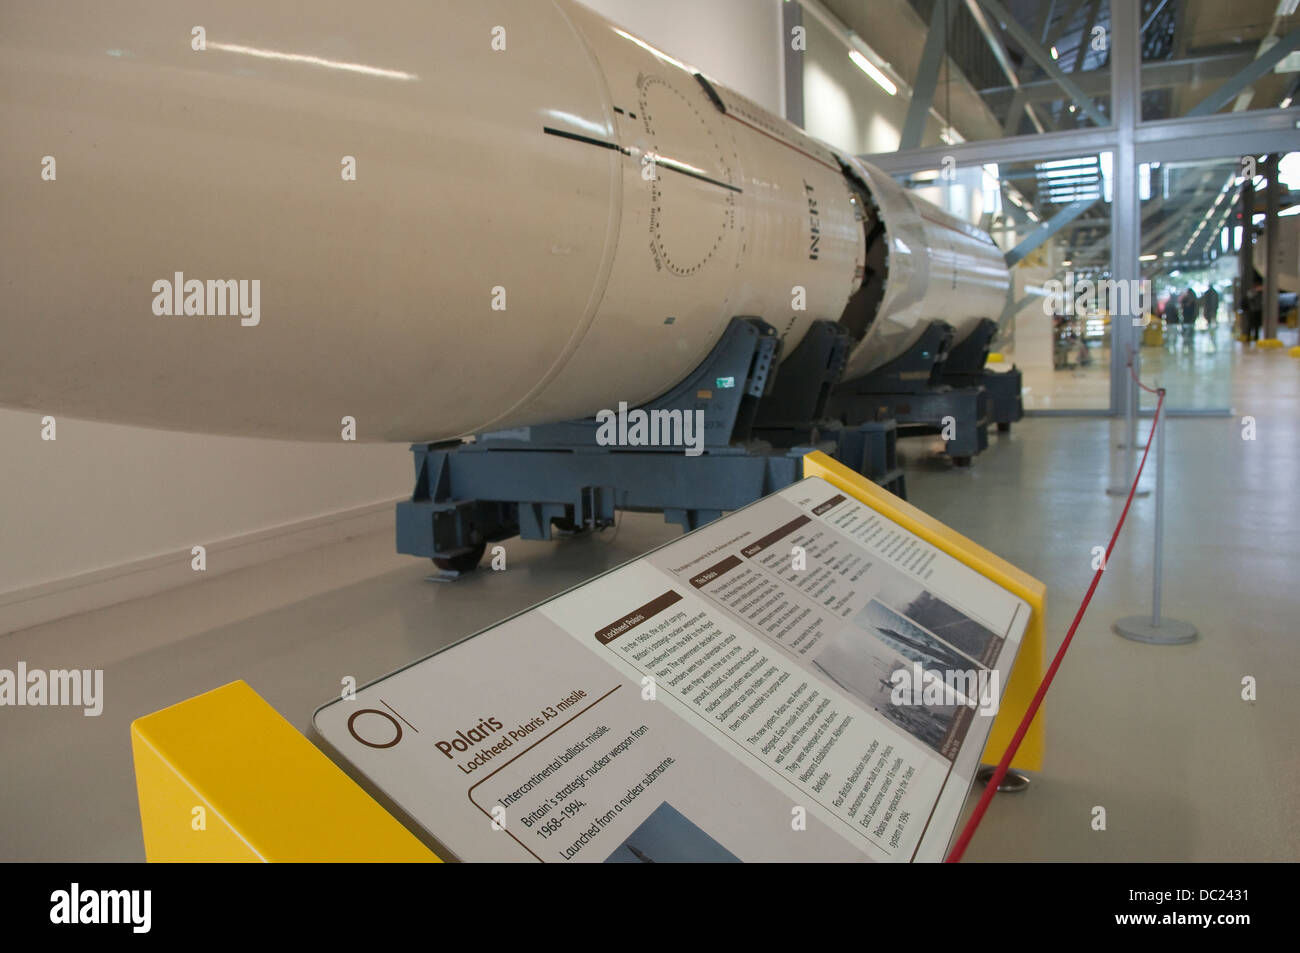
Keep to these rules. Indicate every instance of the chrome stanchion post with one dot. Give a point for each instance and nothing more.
(1129, 446)
(1154, 629)
(1131, 433)
(1158, 558)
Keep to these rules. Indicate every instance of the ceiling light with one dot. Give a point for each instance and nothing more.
(868, 67)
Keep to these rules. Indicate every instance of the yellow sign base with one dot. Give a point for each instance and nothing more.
(223, 777)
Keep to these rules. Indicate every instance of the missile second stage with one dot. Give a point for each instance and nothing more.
(435, 218)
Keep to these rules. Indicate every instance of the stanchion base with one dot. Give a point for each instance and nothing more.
(1168, 632)
(1123, 491)
(1013, 782)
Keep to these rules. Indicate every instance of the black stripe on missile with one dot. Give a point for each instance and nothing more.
(663, 164)
(627, 152)
(587, 139)
(712, 93)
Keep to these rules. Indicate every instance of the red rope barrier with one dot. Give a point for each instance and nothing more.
(959, 848)
(1133, 374)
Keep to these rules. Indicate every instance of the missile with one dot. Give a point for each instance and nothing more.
(437, 219)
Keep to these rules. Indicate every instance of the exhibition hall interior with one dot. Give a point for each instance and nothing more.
(690, 431)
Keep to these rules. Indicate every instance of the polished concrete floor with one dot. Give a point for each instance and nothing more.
(1198, 370)
(1158, 736)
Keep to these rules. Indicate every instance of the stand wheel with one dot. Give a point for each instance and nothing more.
(465, 562)
(566, 525)
(961, 461)
(1004, 427)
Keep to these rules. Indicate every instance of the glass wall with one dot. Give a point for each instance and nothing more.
(1052, 330)
(1193, 240)
(1189, 256)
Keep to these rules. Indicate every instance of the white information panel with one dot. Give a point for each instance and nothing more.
(800, 680)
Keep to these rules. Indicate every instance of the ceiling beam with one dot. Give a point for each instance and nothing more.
(1161, 75)
(1049, 228)
(1043, 58)
(1186, 139)
(933, 55)
(1246, 77)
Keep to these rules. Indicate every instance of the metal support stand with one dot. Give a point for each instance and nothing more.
(758, 422)
(913, 390)
(1004, 389)
(966, 367)
(963, 366)
(871, 449)
(1155, 629)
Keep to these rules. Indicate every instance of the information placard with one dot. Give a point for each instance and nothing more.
(800, 680)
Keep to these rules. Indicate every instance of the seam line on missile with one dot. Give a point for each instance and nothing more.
(784, 142)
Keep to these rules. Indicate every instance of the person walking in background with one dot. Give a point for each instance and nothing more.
(1254, 310)
(1210, 307)
(1189, 305)
(1169, 314)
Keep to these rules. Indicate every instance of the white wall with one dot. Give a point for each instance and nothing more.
(101, 495)
(736, 42)
(843, 105)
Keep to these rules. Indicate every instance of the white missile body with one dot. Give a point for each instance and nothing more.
(548, 217)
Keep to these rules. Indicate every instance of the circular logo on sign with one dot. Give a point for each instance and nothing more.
(352, 728)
